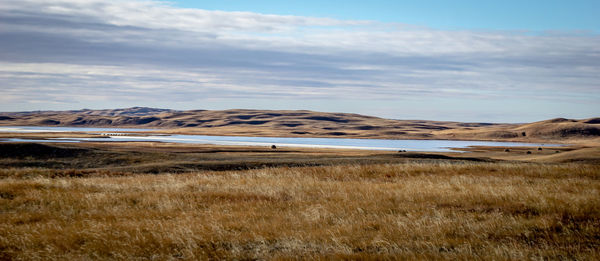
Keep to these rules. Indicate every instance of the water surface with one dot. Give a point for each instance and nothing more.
(341, 143)
(23, 129)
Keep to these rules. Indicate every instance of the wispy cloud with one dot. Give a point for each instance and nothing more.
(61, 51)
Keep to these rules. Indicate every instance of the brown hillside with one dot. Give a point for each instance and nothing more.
(562, 128)
(293, 123)
(556, 130)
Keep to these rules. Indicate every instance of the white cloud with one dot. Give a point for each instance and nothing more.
(154, 51)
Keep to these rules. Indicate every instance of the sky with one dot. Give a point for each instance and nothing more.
(477, 61)
(530, 15)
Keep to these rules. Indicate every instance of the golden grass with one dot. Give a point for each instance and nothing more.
(438, 210)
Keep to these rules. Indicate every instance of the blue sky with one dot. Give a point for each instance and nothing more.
(531, 15)
(483, 61)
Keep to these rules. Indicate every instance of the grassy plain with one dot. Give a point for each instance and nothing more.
(135, 201)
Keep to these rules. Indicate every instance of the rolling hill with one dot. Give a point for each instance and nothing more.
(302, 123)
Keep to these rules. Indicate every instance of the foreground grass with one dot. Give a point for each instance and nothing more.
(444, 210)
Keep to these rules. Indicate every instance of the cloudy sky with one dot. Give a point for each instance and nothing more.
(500, 61)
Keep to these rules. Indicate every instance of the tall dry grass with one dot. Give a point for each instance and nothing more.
(402, 211)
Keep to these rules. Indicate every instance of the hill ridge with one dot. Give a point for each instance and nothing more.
(303, 123)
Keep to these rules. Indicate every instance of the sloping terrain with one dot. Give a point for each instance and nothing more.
(555, 130)
(133, 111)
(565, 128)
(304, 123)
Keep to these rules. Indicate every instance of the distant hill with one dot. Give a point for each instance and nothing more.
(133, 111)
(558, 129)
(302, 123)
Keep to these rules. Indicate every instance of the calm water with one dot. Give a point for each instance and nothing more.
(372, 144)
(21, 129)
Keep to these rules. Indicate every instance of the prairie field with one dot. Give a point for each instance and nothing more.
(435, 209)
(299, 130)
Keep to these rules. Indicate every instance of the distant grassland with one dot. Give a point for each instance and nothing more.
(413, 210)
(302, 123)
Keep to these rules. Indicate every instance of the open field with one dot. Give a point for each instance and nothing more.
(165, 201)
(125, 158)
(299, 130)
(150, 200)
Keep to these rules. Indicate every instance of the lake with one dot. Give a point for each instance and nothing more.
(340, 143)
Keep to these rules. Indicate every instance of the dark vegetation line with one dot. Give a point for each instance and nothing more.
(89, 160)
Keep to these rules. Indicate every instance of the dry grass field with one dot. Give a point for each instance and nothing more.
(164, 201)
(411, 209)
